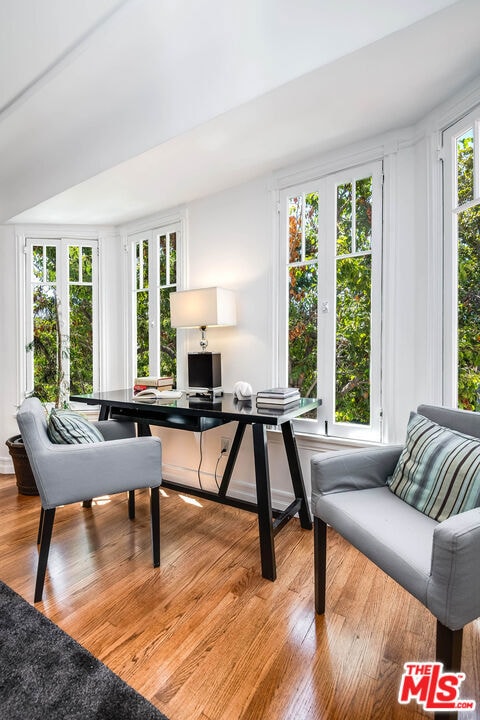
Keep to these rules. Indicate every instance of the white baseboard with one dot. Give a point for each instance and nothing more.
(6, 466)
(238, 488)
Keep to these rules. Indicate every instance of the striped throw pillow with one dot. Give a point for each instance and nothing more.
(438, 471)
(68, 427)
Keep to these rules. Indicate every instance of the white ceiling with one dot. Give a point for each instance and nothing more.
(111, 110)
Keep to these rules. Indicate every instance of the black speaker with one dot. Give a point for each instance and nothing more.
(204, 370)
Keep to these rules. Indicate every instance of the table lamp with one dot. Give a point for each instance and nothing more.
(202, 308)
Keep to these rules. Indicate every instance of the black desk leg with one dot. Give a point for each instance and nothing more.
(232, 457)
(264, 502)
(143, 429)
(104, 412)
(296, 474)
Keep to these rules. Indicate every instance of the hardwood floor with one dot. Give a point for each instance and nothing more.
(205, 637)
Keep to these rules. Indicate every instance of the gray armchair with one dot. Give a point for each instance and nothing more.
(437, 562)
(69, 473)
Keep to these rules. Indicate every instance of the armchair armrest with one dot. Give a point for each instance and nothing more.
(340, 471)
(453, 593)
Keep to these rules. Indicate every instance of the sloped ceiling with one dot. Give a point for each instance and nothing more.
(113, 110)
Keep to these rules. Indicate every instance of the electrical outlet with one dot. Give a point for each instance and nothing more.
(224, 444)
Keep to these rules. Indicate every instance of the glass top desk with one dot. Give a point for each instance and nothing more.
(198, 415)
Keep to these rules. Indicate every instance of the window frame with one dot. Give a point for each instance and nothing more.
(326, 185)
(62, 247)
(450, 211)
(151, 236)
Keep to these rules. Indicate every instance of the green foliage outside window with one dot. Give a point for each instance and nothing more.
(303, 278)
(468, 281)
(168, 336)
(49, 355)
(58, 352)
(353, 302)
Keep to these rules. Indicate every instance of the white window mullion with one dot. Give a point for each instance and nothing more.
(63, 300)
(154, 300)
(327, 301)
(476, 160)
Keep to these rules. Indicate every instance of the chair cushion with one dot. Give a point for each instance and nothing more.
(391, 533)
(438, 471)
(68, 427)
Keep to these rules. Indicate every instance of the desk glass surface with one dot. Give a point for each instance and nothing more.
(225, 407)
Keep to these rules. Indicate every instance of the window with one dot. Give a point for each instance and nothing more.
(61, 311)
(462, 263)
(154, 255)
(332, 283)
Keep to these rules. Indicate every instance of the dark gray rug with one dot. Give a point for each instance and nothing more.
(46, 675)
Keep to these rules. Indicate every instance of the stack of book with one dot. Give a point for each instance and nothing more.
(144, 383)
(279, 398)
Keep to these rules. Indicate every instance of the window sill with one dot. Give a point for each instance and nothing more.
(323, 443)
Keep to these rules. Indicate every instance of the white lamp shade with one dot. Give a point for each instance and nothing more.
(202, 307)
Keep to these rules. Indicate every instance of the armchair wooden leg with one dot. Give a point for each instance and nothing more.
(449, 647)
(46, 536)
(131, 504)
(448, 652)
(40, 525)
(320, 563)
(155, 514)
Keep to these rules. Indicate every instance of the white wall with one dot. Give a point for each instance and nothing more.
(10, 380)
(230, 244)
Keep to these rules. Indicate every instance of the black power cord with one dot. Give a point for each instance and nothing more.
(223, 452)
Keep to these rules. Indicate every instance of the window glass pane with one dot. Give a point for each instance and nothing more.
(145, 263)
(352, 339)
(141, 265)
(142, 333)
(81, 339)
(311, 226)
(74, 267)
(465, 152)
(167, 248)
(168, 336)
(173, 258)
(344, 219)
(363, 214)
(469, 308)
(138, 266)
(162, 249)
(51, 253)
(295, 228)
(87, 265)
(302, 329)
(44, 344)
(37, 262)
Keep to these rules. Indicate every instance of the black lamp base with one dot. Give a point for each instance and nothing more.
(205, 374)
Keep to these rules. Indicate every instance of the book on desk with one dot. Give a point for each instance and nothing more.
(279, 398)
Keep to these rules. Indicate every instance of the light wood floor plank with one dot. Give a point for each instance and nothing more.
(205, 637)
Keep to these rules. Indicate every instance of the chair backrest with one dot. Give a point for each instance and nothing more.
(463, 421)
(32, 423)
